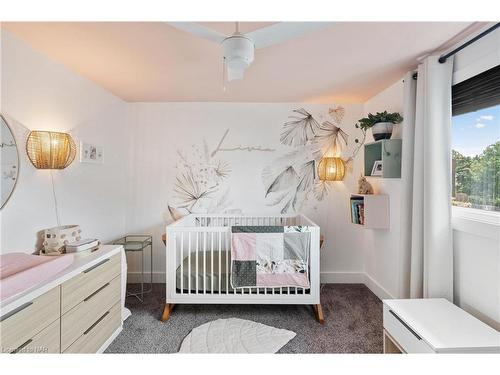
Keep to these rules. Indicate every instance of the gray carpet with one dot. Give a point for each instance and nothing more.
(353, 322)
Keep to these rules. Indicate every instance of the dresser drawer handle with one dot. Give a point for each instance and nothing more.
(96, 323)
(15, 311)
(96, 265)
(406, 325)
(21, 347)
(97, 291)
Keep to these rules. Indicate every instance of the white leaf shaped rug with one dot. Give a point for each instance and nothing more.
(235, 336)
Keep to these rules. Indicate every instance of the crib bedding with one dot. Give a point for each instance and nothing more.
(269, 256)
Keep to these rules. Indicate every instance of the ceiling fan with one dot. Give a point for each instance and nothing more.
(238, 49)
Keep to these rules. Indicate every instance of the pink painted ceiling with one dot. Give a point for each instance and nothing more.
(154, 62)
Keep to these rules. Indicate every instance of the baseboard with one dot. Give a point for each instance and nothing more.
(376, 288)
(342, 277)
(325, 277)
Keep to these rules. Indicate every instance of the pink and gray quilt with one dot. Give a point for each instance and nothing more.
(270, 256)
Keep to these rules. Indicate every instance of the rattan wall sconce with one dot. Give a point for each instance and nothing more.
(50, 150)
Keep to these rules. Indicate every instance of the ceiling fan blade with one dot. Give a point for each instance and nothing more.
(199, 30)
(283, 31)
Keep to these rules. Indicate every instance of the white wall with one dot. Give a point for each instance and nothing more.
(477, 276)
(161, 129)
(382, 249)
(40, 94)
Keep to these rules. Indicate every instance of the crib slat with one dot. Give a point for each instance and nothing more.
(196, 260)
(212, 262)
(168, 265)
(227, 262)
(182, 267)
(219, 270)
(189, 258)
(204, 262)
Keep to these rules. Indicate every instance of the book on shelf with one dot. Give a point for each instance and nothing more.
(357, 210)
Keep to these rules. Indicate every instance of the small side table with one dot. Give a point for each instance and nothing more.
(134, 243)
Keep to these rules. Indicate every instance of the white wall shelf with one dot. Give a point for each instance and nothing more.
(370, 211)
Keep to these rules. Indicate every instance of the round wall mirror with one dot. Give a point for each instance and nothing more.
(9, 162)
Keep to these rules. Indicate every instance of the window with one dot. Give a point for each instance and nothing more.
(476, 142)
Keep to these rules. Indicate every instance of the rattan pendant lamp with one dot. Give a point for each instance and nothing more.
(331, 167)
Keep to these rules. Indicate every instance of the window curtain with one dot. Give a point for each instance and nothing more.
(426, 166)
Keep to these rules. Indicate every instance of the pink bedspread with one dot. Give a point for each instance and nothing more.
(19, 271)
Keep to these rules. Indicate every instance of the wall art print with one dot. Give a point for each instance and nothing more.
(91, 153)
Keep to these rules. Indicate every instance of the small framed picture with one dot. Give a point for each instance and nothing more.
(377, 168)
(90, 153)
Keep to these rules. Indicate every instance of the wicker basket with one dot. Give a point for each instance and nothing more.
(56, 239)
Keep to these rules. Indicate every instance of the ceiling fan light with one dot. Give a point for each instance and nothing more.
(238, 55)
(236, 68)
(234, 74)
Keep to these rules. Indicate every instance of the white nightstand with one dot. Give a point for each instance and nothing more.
(435, 325)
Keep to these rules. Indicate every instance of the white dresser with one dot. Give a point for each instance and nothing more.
(79, 310)
(435, 325)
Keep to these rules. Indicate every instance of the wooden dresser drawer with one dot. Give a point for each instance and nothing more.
(408, 339)
(23, 323)
(79, 319)
(46, 341)
(97, 334)
(88, 281)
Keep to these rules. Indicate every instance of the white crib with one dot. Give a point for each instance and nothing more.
(198, 263)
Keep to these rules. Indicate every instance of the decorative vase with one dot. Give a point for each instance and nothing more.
(382, 130)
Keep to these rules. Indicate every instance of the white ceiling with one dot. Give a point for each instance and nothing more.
(154, 62)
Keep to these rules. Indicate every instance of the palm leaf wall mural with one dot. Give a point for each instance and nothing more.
(307, 176)
(189, 191)
(337, 114)
(292, 178)
(300, 129)
(320, 189)
(201, 184)
(283, 181)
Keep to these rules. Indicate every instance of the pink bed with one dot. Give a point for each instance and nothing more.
(19, 271)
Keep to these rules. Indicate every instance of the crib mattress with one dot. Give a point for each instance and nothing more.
(225, 276)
